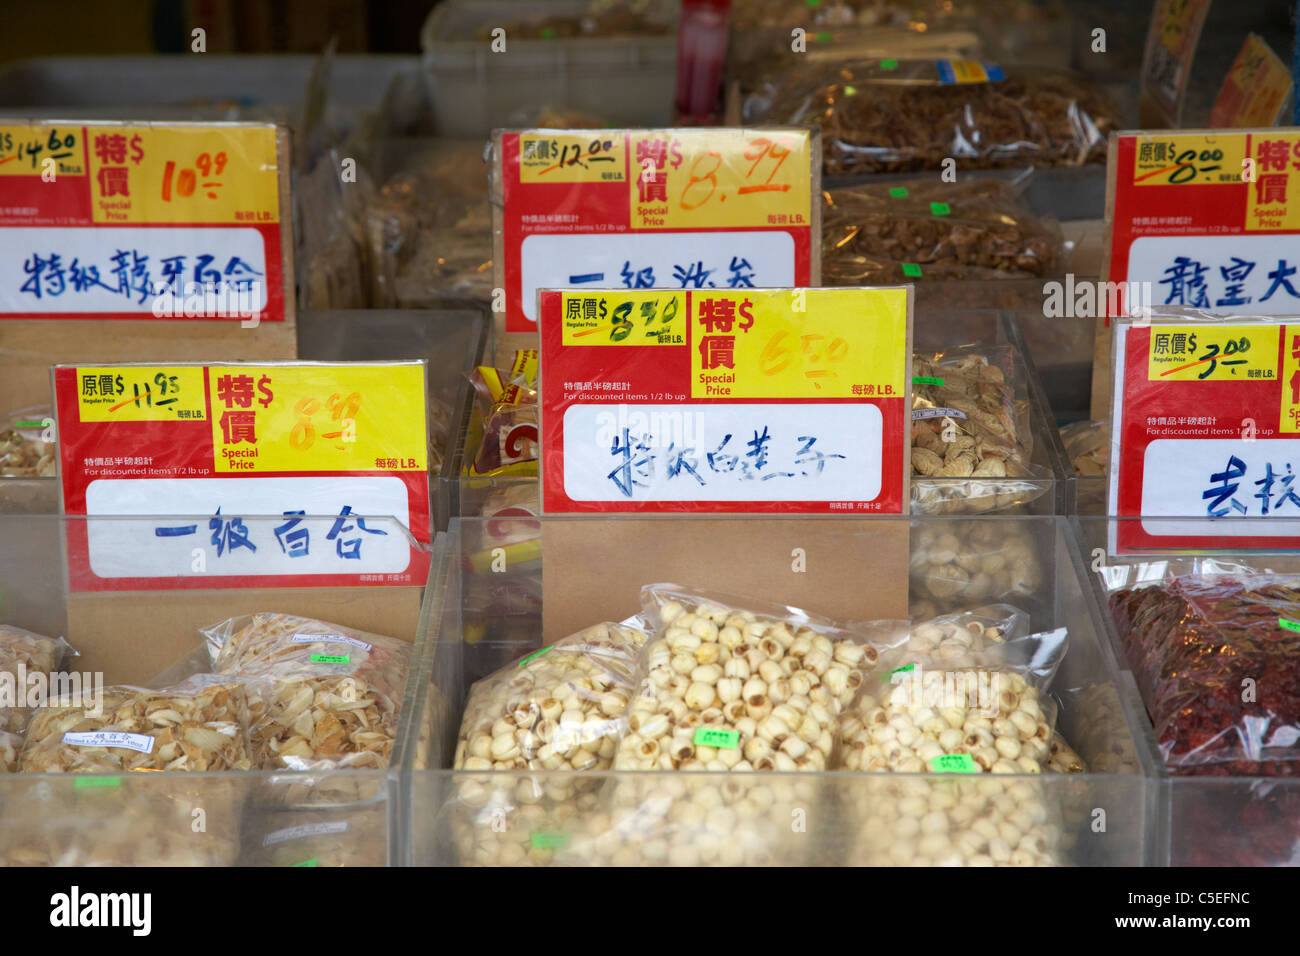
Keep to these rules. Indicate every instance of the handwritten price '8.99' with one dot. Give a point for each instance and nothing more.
(817, 356)
(763, 155)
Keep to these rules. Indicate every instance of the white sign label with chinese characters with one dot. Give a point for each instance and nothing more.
(692, 260)
(1235, 275)
(229, 544)
(142, 743)
(722, 452)
(71, 270)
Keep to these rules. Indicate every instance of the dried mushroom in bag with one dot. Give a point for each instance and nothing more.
(973, 229)
(197, 728)
(320, 696)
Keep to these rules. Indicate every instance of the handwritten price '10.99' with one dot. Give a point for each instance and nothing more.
(703, 183)
(187, 180)
(817, 355)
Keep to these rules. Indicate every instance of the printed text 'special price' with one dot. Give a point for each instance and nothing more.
(184, 182)
(817, 357)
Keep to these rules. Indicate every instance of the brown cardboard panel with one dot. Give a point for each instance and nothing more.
(29, 348)
(593, 569)
(131, 636)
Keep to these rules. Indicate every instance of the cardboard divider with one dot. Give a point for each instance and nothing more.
(843, 568)
(132, 635)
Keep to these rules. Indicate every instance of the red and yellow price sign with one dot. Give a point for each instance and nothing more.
(38, 149)
(701, 179)
(1213, 353)
(138, 393)
(624, 318)
(549, 156)
(799, 343)
(1195, 160)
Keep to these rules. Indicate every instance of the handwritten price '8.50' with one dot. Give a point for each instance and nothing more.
(762, 155)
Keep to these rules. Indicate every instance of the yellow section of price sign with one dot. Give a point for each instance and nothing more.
(1193, 160)
(336, 418)
(643, 317)
(123, 393)
(1221, 353)
(191, 174)
(799, 343)
(720, 178)
(597, 156)
(25, 149)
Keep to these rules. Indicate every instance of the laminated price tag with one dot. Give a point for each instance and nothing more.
(105, 738)
(730, 401)
(672, 209)
(323, 446)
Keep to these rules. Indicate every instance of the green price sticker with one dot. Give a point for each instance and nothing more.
(721, 739)
(911, 270)
(83, 783)
(823, 37)
(534, 655)
(329, 658)
(889, 64)
(548, 33)
(884, 678)
(813, 3)
(940, 208)
(898, 192)
(550, 841)
(926, 380)
(954, 763)
(1288, 625)
(311, 862)
(850, 91)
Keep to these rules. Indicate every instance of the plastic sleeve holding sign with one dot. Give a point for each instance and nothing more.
(321, 696)
(673, 209)
(144, 221)
(325, 445)
(1215, 657)
(972, 229)
(879, 116)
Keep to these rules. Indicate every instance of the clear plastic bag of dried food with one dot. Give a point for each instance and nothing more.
(24, 654)
(959, 639)
(733, 684)
(972, 229)
(196, 726)
(559, 709)
(1087, 445)
(320, 696)
(24, 452)
(971, 440)
(987, 711)
(505, 401)
(885, 116)
(11, 747)
(1215, 658)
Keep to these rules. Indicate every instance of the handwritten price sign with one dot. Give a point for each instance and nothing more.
(137, 393)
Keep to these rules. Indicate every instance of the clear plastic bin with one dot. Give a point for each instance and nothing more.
(625, 81)
(208, 818)
(1202, 820)
(1102, 817)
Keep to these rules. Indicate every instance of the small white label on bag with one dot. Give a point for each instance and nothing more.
(110, 738)
(328, 639)
(918, 414)
(304, 830)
